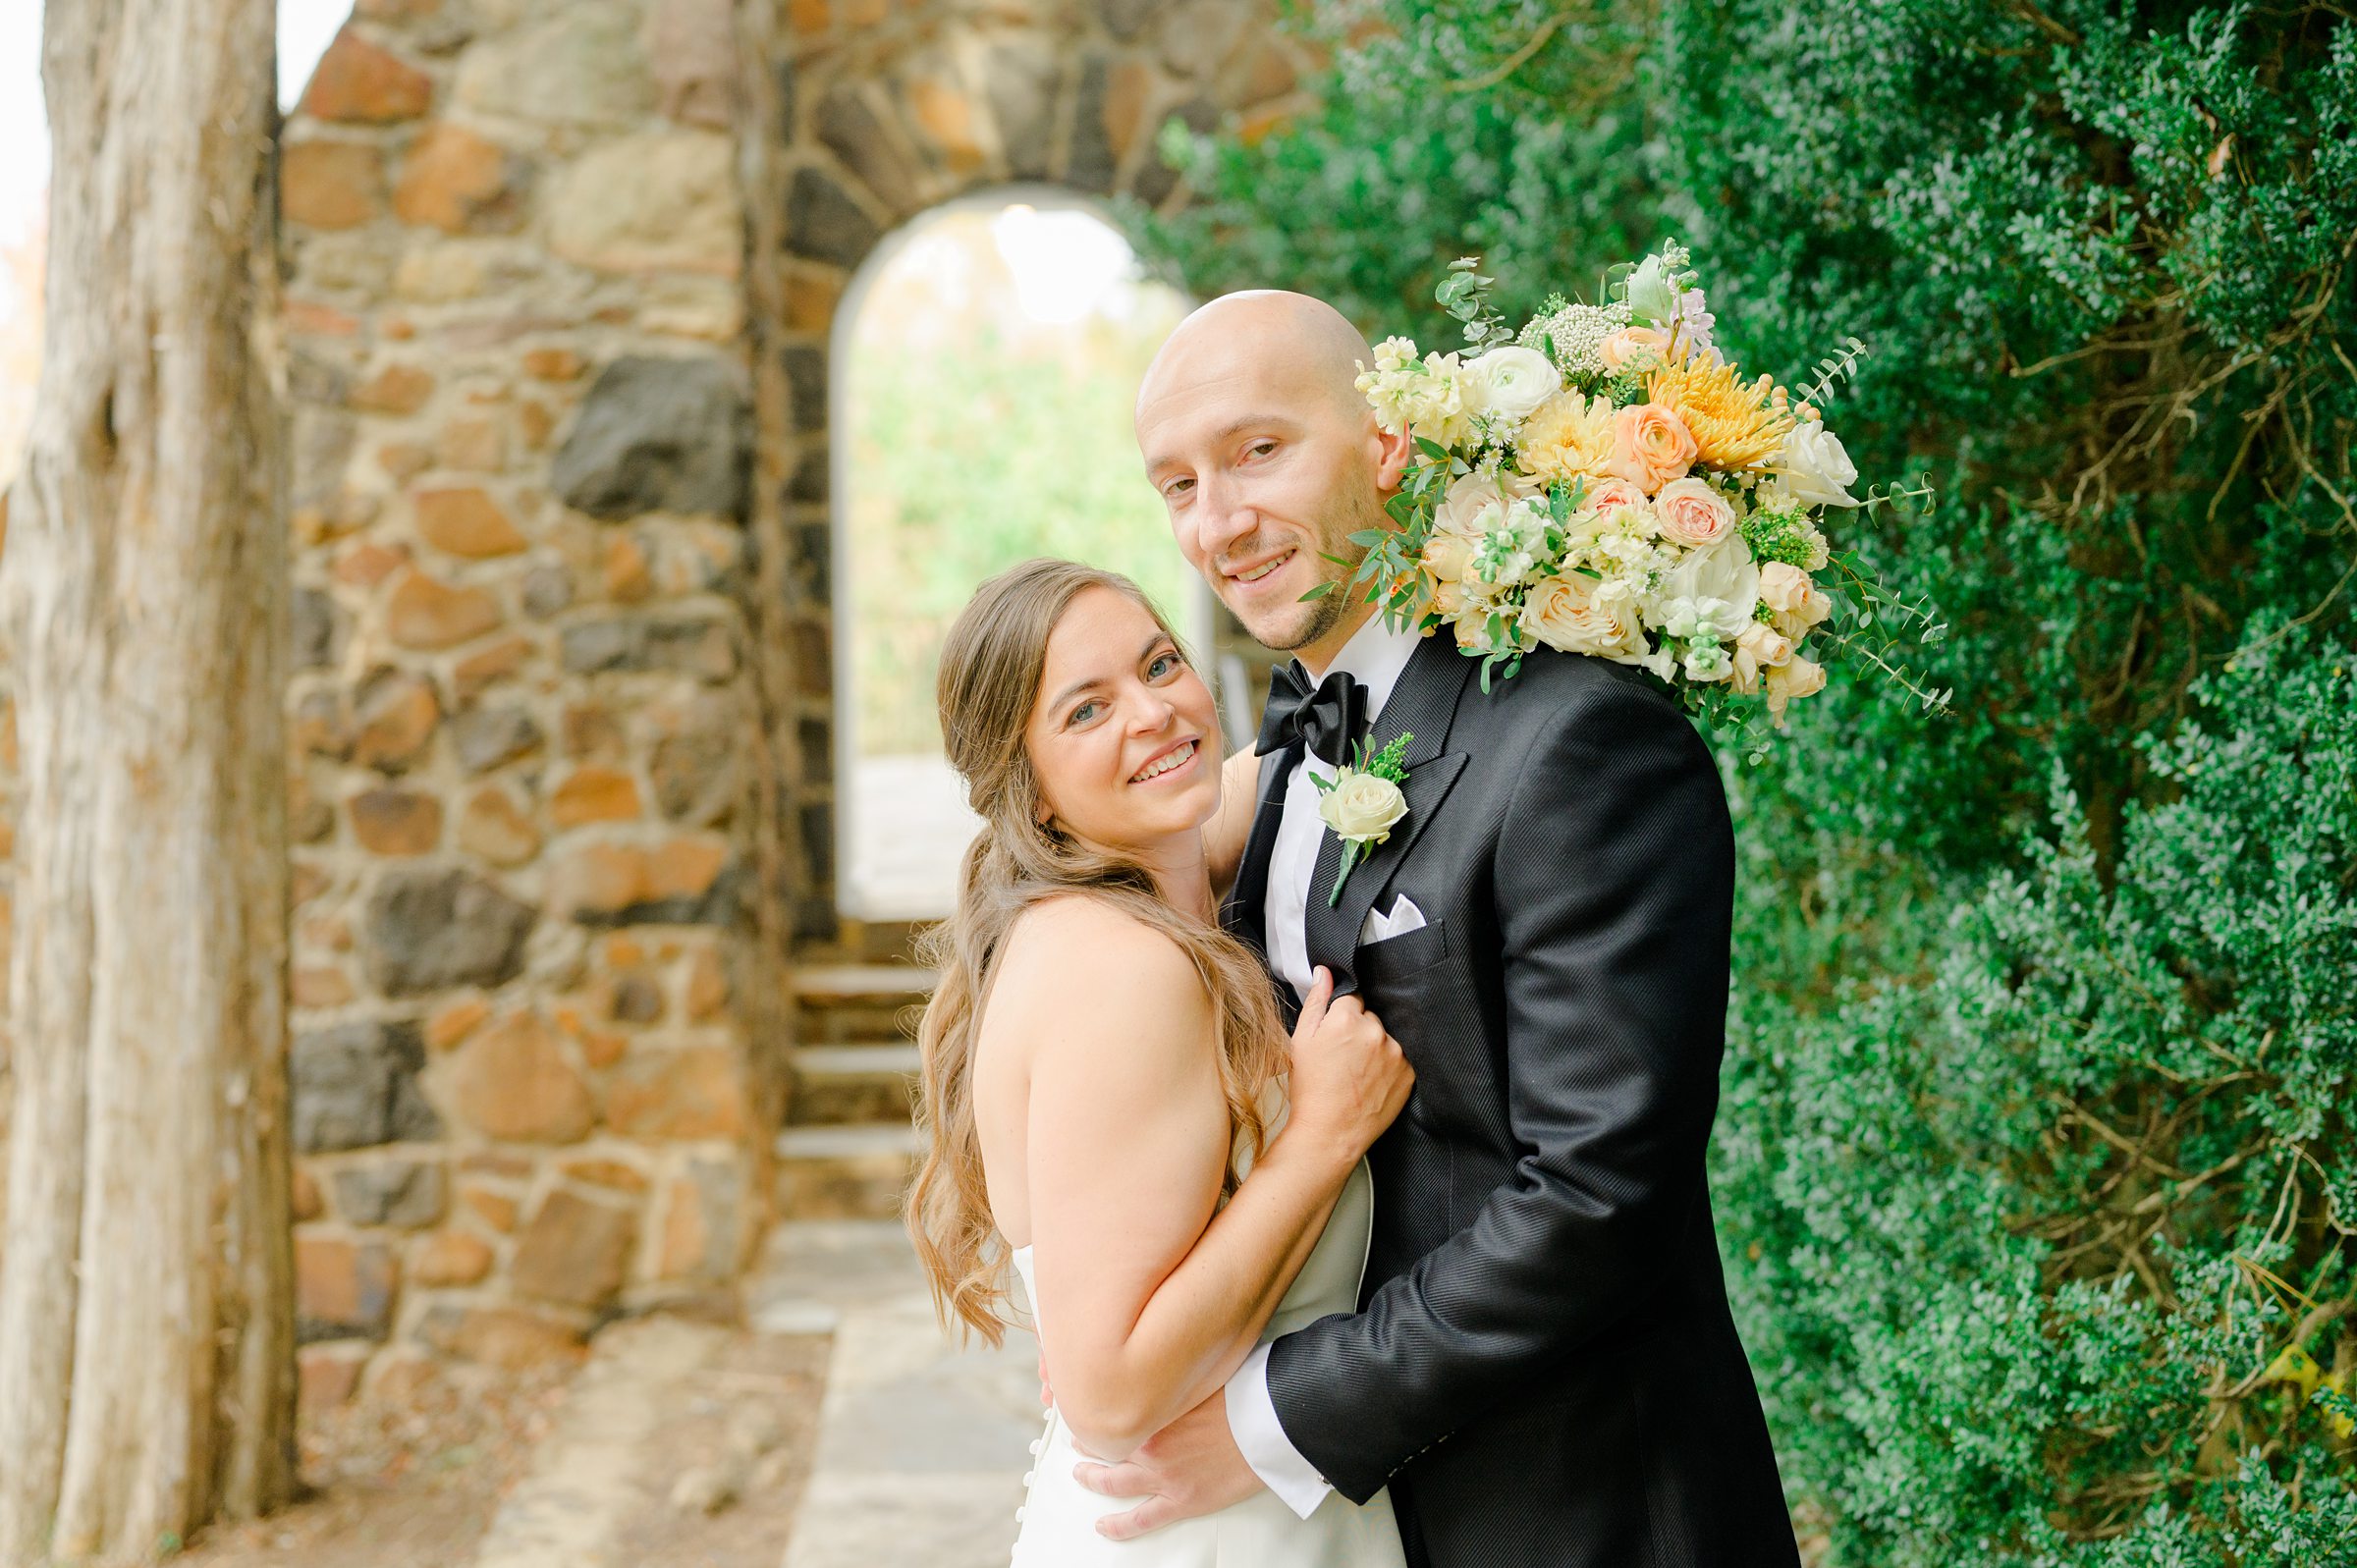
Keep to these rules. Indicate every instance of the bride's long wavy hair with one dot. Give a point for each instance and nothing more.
(991, 667)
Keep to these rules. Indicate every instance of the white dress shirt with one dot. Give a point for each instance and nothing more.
(1373, 657)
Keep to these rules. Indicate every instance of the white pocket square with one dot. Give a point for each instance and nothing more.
(1379, 926)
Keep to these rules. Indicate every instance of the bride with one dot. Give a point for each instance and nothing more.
(1106, 1081)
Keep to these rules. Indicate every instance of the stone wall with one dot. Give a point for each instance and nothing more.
(561, 279)
(537, 949)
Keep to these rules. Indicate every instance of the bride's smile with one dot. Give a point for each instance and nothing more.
(1118, 734)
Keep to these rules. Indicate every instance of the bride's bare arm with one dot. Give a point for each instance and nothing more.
(1150, 1302)
(1225, 834)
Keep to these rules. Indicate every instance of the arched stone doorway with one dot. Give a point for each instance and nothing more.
(986, 358)
(884, 117)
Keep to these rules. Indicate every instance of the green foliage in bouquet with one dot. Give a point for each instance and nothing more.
(2029, 1206)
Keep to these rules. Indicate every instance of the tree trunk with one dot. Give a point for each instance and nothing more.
(147, 1321)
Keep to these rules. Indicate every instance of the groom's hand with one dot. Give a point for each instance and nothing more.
(1189, 1468)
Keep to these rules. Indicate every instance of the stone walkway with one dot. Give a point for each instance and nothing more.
(921, 1446)
(567, 1510)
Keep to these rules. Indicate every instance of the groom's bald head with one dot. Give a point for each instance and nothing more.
(1267, 459)
(1293, 340)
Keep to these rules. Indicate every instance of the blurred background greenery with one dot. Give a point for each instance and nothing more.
(2035, 1165)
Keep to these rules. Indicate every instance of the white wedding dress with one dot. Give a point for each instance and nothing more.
(1059, 1517)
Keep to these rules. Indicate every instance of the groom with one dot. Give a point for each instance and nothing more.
(1543, 1369)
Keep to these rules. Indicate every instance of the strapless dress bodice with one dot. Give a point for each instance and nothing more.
(1058, 1516)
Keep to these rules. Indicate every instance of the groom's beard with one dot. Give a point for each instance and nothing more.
(1300, 624)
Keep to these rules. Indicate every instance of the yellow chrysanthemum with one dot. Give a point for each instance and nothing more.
(1569, 435)
(1734, 424)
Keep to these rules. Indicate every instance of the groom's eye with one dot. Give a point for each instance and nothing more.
(1177, 488)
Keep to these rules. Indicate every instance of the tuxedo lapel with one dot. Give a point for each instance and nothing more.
(1423, 707)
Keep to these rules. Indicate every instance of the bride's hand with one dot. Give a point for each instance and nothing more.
(1350, 1078)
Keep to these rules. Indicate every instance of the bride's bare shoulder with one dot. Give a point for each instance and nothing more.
(1076, 951)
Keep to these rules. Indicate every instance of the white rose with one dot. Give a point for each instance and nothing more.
(1814, 468)
(1709, 592)
(1511, 383)
(1361, 808)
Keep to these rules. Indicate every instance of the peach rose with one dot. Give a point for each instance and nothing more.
(1759, 648)
(1797, 677)
(1620, 346)
(1692, 514)
(1651, 445)
(1448, 556)
(1603, 495)
(1794, 598)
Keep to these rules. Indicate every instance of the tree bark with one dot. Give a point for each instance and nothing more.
(147, 1321)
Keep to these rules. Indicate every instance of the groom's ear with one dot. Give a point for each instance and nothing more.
(1394, 451)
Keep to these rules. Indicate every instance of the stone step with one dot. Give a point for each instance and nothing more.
(863, 982)
(857, 1173)
(834, 1085)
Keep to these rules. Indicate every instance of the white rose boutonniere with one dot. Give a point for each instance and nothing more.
(1362, 804)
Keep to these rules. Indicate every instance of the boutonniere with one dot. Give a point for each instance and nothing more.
(1362, 804)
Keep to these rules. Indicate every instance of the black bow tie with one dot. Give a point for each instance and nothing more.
(1325, 718)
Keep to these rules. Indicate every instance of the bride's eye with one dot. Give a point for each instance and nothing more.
(1084, 713)
(1166, 665)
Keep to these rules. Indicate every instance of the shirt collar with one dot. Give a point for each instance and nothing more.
(1374, 657)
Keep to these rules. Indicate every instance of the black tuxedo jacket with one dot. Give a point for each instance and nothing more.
(1542, 1367)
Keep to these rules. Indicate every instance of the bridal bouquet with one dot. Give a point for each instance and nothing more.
(1605, 481)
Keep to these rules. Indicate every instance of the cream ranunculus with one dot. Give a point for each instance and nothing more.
(1362, 806)
(1692, 514)
(1814, 466)
(1509, 383)
(1567, 612)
